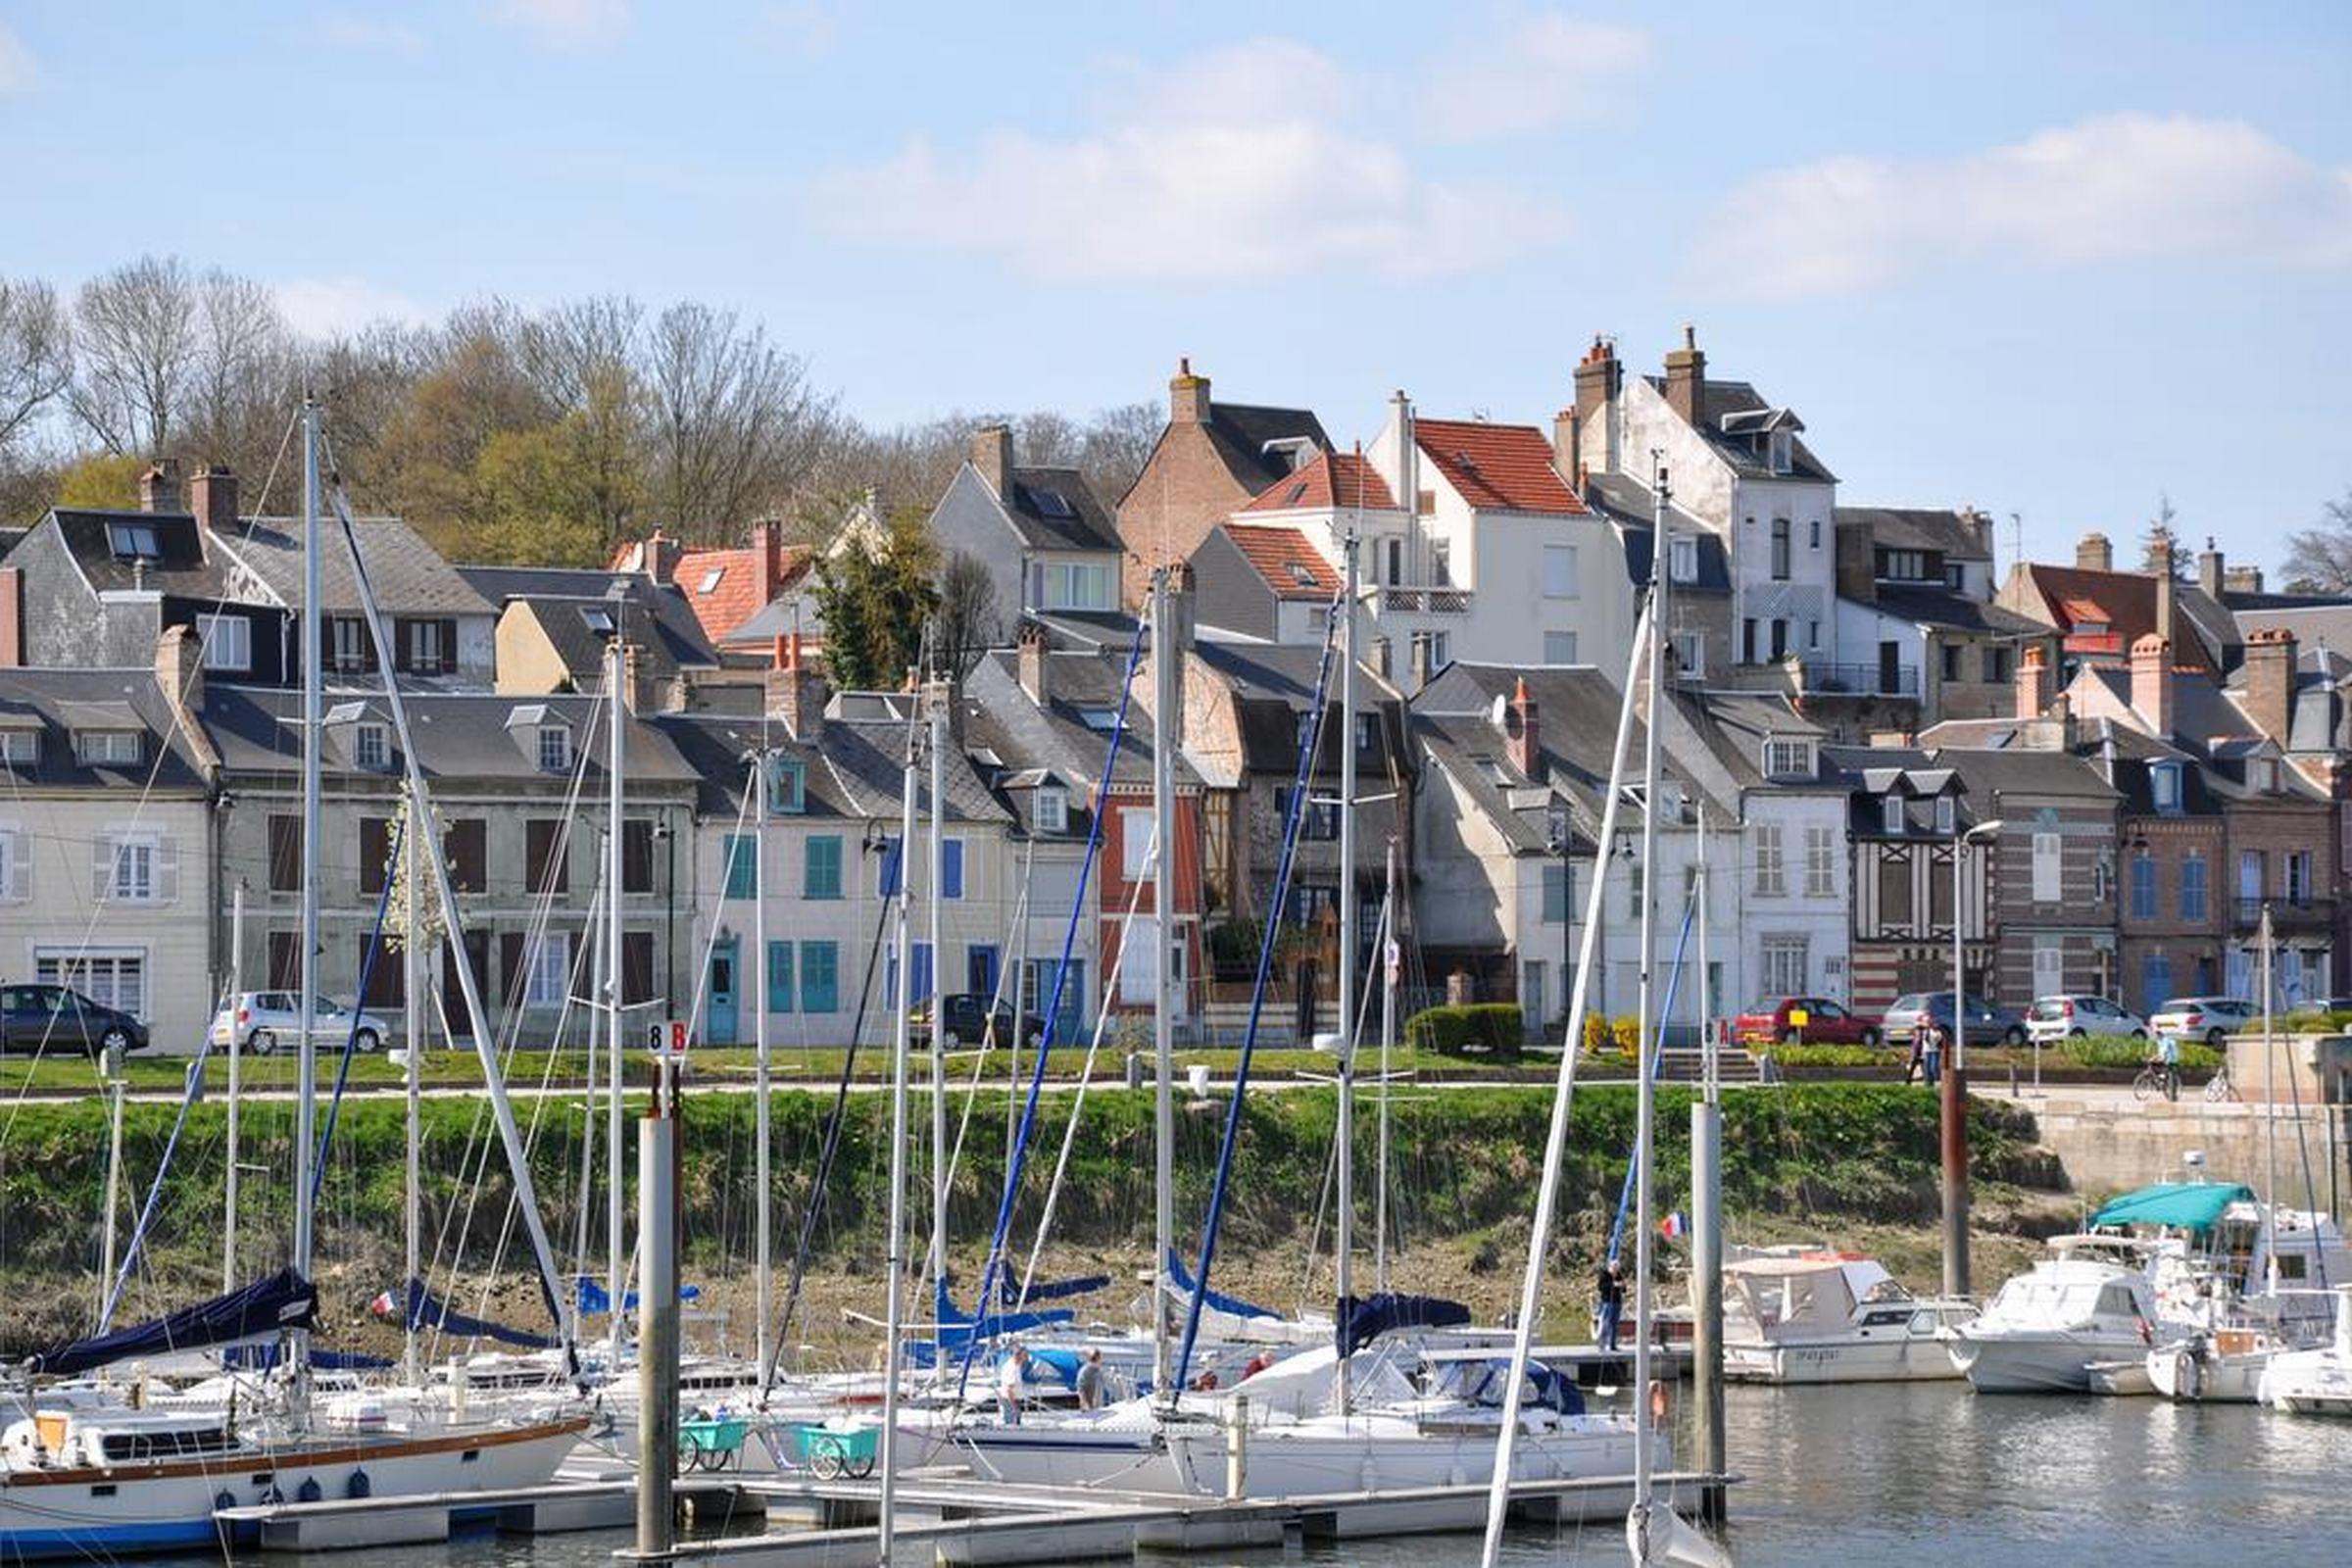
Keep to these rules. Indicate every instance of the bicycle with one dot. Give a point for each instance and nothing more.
(2157, 1076)
(2219, 1088)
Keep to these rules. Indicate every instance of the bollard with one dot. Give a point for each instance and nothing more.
(658, 1318)
(1237, 1447)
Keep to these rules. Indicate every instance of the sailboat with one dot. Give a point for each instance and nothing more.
(82, 1478)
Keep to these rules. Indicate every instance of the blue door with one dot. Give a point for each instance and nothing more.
(980, 969)
(718, 1021)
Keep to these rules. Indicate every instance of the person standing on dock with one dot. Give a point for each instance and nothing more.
(1089, 1381)
(1611, 1288)
(1931, 1035)
(1011, 1372)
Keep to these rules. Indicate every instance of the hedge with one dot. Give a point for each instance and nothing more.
(1491, 1026)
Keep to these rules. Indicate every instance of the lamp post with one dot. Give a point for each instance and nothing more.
(1953, 1104)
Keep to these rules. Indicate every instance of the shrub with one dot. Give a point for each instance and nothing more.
(2124, 1051)
(1597, 1033)
(1833, 1057)
(2315, 1021)
(1487, 1027)
(1627, 1032)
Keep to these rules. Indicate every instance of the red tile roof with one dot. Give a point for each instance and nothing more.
(1293, 567)
(2124, 601)
(1334, 479)
(723, 586)
(1500, 466)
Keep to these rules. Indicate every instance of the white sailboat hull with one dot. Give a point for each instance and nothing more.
(2181, 1373)
(1897, 1361)
(163, 1506)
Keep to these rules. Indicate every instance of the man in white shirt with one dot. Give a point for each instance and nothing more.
(1011, 1373)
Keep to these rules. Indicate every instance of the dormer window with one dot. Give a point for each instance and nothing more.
(2164, 786)
(1780, 451)
(1892, 819)
(2262, 776)
(106, 748)
(135, 541)
(371, 749)
(21, 748)
(1051, 809)
(348, 650)
(1946, 816)
(1681, 558)
(1783, 759)
(787, 785)
(555, 748)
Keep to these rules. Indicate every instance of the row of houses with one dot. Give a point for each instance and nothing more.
(2104, 778)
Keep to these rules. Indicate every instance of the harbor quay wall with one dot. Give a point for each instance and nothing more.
(2108, 1144)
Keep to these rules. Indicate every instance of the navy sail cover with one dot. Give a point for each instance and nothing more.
(1363, 1319)
(282, 1301)
(426, 1310)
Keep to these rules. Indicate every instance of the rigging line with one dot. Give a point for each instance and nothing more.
(155, 1190)
(1295, 818)
(1061, 978)
(359, 1016)
(1654, 1054)
(988, 1033)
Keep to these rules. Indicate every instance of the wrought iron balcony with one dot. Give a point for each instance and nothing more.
(1824, 678)
(1423, 600)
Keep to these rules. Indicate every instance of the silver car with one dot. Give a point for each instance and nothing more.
(2211, 1020)
(264, 1020)
(2055, 1018)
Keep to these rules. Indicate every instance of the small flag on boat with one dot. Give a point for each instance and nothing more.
(1675, 1225)
(383, 1307)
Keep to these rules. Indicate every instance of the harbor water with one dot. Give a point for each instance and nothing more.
(1925, 1473)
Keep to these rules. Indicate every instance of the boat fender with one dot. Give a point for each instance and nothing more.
(271, 1496)
(358, 1486)
(2189, 1374)
(223, 1498)
(1657, 1399)
(310, 1490)
(2147, 1331)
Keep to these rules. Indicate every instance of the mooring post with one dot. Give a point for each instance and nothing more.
(657, 1314)
(1706, 1291)
(1237, 1447)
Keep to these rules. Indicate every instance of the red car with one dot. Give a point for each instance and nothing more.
(1815, 1020)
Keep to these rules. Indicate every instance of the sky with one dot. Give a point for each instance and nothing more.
(2051, 260)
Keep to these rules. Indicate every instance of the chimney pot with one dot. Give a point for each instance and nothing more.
(1030, 656)
(159, 486)
(2094, 553)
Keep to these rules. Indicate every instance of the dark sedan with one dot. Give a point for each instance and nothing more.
(46, 1017)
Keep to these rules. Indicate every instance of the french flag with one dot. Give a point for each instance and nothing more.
(383, 1306)
(1674, 1226)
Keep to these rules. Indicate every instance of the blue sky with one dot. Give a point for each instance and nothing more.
(2049, 260)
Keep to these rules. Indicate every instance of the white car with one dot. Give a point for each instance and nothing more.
(266, 1021)
(2210, 1019)
(2054, 1018)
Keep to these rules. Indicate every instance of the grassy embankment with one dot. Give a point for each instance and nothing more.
(1830, 1161)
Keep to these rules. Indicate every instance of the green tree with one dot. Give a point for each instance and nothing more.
(874, 602)
(536, 497)
(101, 480)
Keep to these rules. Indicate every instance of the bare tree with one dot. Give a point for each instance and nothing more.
(139, 343)
(2319, 560)
(36, 357)
(736, 427)
(569, 348)
(2160, 546)
(246, 378)
(967, 619)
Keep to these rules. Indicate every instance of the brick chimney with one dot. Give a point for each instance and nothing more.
(1188, 396)
(2152, 684)
(2094, 553)
(1598, 378)
(795, 694)
(1686, 378)
(2166, 591)
(2213, 573)
(180, 667)
(1030, 655)
(1521, 734)
(1183, 607)
(2241, 579)
(767, 544)
(2032, 682)
(213, 497)
(992, 454)
(159, 487)
(2270, 680)
(1857, 562)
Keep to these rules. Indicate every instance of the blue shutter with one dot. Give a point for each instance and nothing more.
(742, 867)
(822, 876)
(780, 977)
(820, 978)
(952, 869)
(887, 878)
(922, 992)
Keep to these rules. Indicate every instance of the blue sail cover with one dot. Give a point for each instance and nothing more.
(1054, 1290)
(269, 1352)
(958, 1329)
(1233, 1306)
(1366, 1318)
(427, 1312)
(282, 1301)
(595, 1301)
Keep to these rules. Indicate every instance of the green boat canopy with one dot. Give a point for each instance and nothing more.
(2183, 1206)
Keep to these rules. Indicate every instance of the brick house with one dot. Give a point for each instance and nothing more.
(1210, 461)
(1915, 600)
(724, 585)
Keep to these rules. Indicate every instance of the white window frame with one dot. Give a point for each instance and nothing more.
(351, 629)
(1894, 818)
(372, 748)
(226, 641)
(16, 876)
(2163, 785)
(21, 748)
(1051, 809)
(133, 872)
(425, 650)
(2049, 867)
(78, 969)
(1690, 652)
(2049, 965)
(1772, 865)
(1820, 862)
(104, 747)
(1557, 642)
(1681, 558)
(1787, 960)
(1079, 585)
(548, 976)
(1135, 841)
(1787, 758)
(1560, 572)
(560, 735)
(1947, 815)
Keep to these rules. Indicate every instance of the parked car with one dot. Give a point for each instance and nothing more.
(266, 1020)
(2212, 1019)
(46, 1017)
(2055, 1018)
(1986, 1024)
(968, 1020)
(1815, 1020)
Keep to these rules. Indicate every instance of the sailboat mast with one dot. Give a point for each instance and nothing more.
(2270, 1116)
(1392, 954)
(894, 1312)
(762, 771)
(236, 989)
(1646, 1103)
(933, 696)
(306, 1051)
(1166, 733)
(411, 1028)
(1344, 1242)
(616, 1161)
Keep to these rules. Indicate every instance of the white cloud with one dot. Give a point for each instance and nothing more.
(1237, 163)
(324, 307)
(17, 70)
(1541, 72)
(367, 35)
(567, 24)
(2114, 188)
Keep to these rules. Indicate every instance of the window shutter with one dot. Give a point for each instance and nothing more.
(636, 856)
(467, 849)
(449, 644)
(509, 964)
(167, 870)
(285, 854)
(636, 967)
(952, 869)
(10, 874)
(375, 849)
(102, 869)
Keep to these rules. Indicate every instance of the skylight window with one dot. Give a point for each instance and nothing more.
(598, 619)
(710, 582)
(135, 541)
(1300, 575)
(1049, 503)
(1100, 720)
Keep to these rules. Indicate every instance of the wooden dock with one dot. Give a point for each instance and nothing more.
(367, 1523)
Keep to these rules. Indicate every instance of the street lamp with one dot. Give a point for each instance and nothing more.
(1953, 1104)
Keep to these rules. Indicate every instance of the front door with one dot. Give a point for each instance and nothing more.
(1891, 668)
(453, 991)
(720, 1021)
(980, 969)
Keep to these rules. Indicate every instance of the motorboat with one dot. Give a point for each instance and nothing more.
(2090, 1300)
(1807, 1316)
(2314, 1382)
(2215, 1366)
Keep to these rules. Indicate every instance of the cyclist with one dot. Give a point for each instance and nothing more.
(2167, 1064)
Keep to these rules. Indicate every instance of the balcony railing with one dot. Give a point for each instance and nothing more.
(1824, 678)
(1427, 600)
(2289, 914)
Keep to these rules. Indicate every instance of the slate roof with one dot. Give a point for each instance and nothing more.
(1240, 432)
(2313, 624)
(185, 569)
(1916, 528)
(1056, 509)
(1333, 480)
(1959, 612)
(853, 772)
(1741, 401)
(1505, 466)
(1734, 726)
(58, 700)
(409, 576)
(1287, 561)
(1273, 684)
(469, 737)
(651, 614)
(1000, 720)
